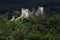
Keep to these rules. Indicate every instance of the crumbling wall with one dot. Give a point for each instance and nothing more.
(25, 13)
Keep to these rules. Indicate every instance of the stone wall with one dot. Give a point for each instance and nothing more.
(25, 13)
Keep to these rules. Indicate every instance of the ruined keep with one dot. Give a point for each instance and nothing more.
(25, 13)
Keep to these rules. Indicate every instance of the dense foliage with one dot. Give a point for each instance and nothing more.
(32, 28)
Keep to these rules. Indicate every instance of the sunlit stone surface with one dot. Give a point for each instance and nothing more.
(13, 18)
(40, 11)
(24, 12)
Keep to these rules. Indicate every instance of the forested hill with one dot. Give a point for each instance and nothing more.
(50, 5)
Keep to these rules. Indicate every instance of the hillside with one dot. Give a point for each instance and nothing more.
(45, 27)
(33, 28)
